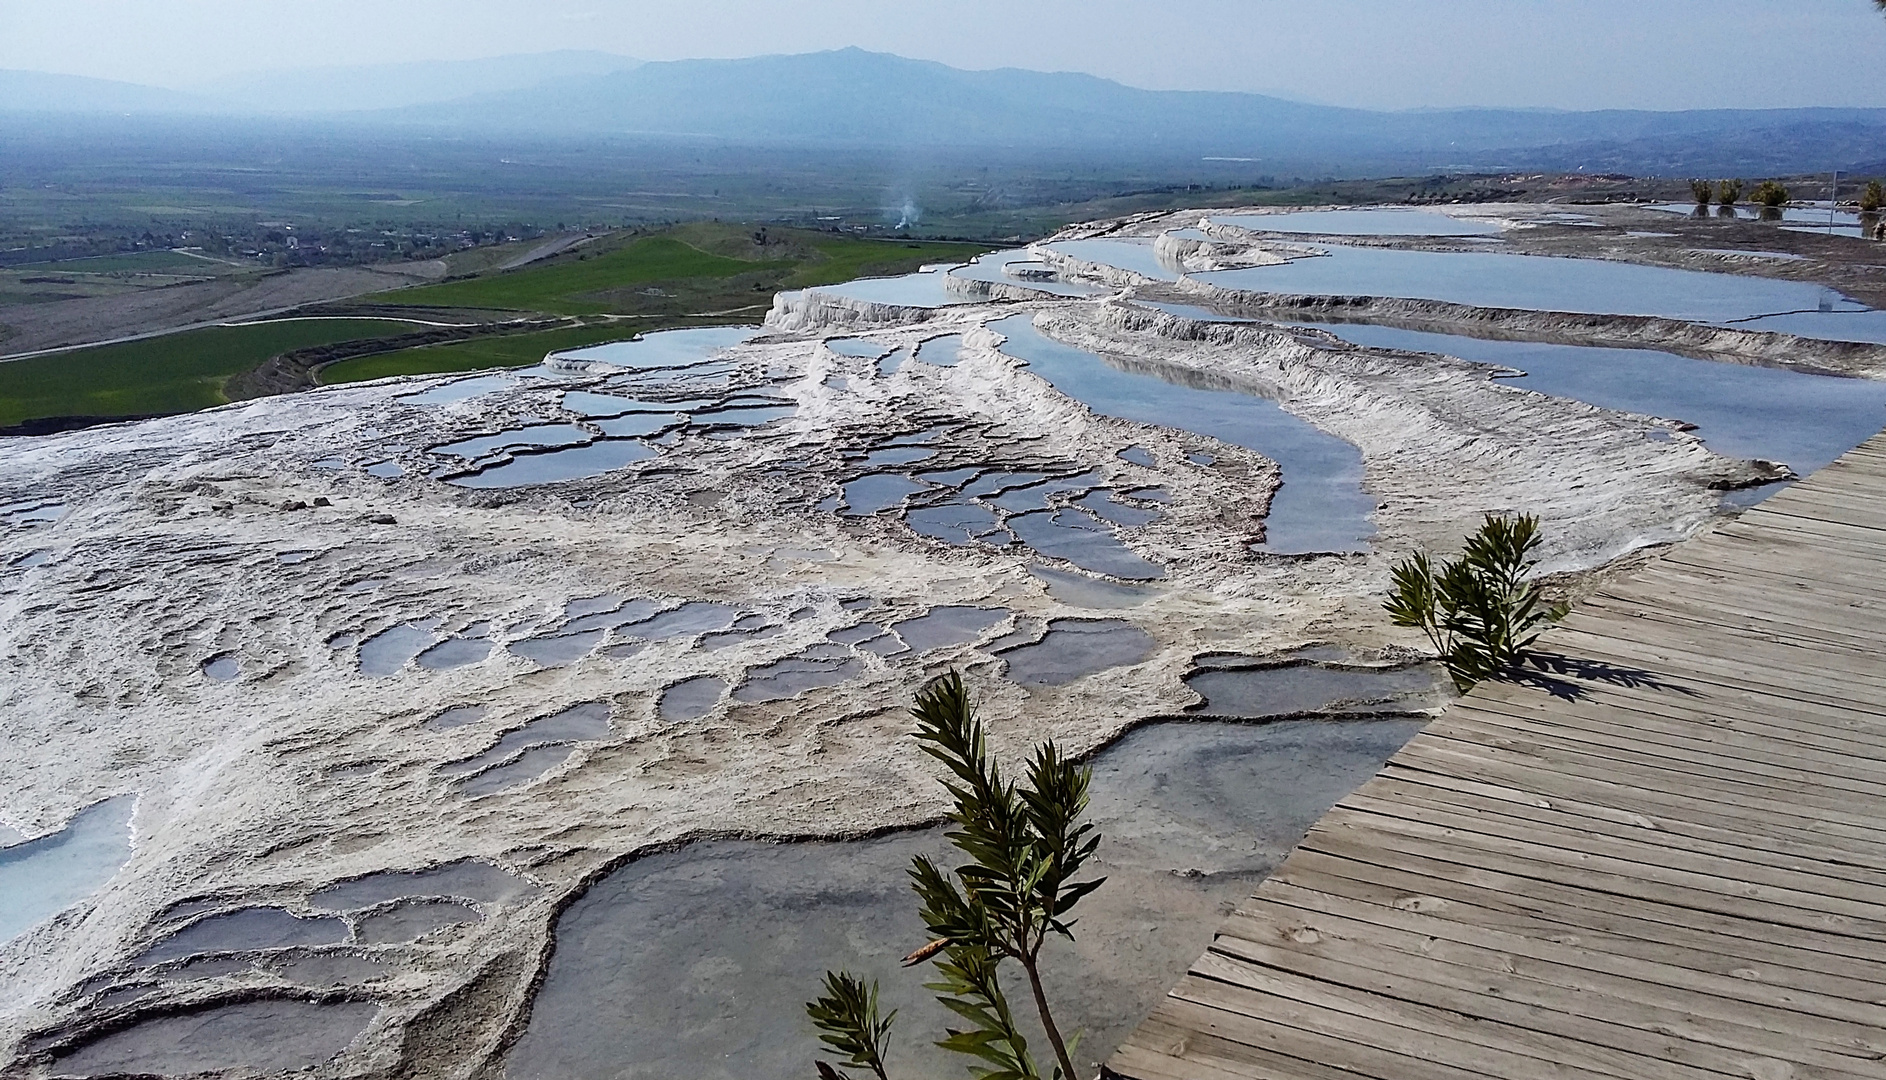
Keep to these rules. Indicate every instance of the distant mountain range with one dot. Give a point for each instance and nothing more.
(854, 98)
(393, 86)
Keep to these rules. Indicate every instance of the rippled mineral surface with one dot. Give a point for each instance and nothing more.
(325, 712)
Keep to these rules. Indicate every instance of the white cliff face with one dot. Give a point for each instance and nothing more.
(407, 651)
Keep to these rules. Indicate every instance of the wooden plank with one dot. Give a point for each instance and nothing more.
(1483, 1042)
(1664, 810)
(1840, 1018)
(1777, 957)
(1592, 868)
(1631, 1015)
(1704, 704)
(1663, 855)
(1414, 1033)
(1427, 790)
(1699, 751)
(1823, 813)
(1694, 856)
(1708, 734)
(1329, 884)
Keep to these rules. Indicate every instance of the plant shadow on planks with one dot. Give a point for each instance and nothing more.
(1554, 673)
(1483, 612)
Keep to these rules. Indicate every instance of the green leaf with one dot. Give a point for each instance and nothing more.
(846, 1016)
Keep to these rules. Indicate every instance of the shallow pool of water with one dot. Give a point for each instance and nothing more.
(790, 676)
(1544, 283)
(692, 618)
(557, 650)
(693, 964)
(464, 389)
(942, 351)
(1801, 420)
(1792, 215)
(578, 723)
(944, 626)
(530, 435)
(386, 652)
(1135, 255)
(1022, 267)
(857, 347)
(1321, 505)
(41, 877)
(411, 921)
(465, 879)
(555, 466)
(691, 699)
(664, 349)
(1380, 221)
(875, 492)
(267, 1036)
(927, 288)
(531, 765)
(457, 716)
(454, 652)
(1083, 540)
(223, 668)
(246, 930)
(1079, 590)
(1242, 690)
(1076, 648)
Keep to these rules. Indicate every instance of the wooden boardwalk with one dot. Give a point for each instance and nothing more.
(1666, 860)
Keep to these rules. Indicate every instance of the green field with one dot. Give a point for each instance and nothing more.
(693, 269)
(170, 374)
(692, 275)
(565, 287)
(139, 262)
(514, 350)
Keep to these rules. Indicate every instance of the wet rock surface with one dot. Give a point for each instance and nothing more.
(693, 963)
(424, 710)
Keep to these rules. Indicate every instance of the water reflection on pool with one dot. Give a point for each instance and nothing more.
(1321, 506)
(1546, 283)
(1800, 419)
(1375, 221)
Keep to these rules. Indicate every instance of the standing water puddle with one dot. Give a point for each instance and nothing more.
(1801, 420)
(1546, 283)
(1320, 507)
(1236, 688)
(1022, 267)
(40, 878)
(1075, 648)
(665, 349)
(555, 466)
(1135, 255)
(693, 963)
(927, 288)
(1382, 221)
(272, 1036)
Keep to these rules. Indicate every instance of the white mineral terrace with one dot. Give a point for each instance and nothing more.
(321, 709)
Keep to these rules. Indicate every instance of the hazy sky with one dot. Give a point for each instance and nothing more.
(1665, 54)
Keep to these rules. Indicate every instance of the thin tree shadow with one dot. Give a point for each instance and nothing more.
(1554, 669)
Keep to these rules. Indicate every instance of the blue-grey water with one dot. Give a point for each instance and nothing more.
(1321, 506)
(1135, 255)
(668, 348)
(993, 266)
(1548, 283)
(693, 964)
(1381, 221)
(42, 877)
(926, 288)
(1802, 420)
